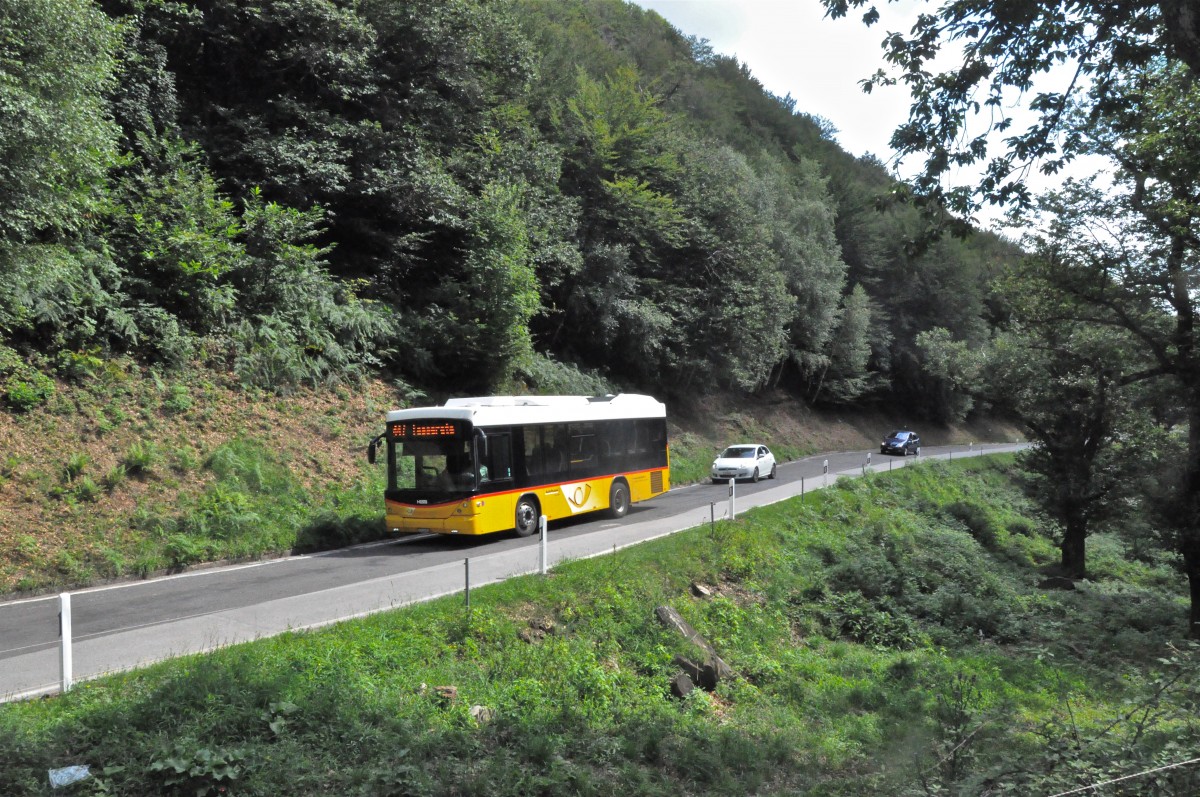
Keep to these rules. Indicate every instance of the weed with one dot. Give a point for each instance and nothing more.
(75, 466)
(78, 366)
(115, 477)
(101, 425)
(23, 393)
(86, 489)
(977, 520)
(181, 550)
(197, 770)
(140, 458)
(916, 707)
(27, 547)
(8, 468)
(185, 459)
(178, 399)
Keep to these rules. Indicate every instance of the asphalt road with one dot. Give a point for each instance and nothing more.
(125, 625)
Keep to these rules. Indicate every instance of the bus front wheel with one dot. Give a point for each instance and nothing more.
(618, 500)
(527, 516)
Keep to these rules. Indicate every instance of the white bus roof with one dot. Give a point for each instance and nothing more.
(516, 410)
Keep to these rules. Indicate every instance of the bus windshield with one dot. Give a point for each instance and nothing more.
(433, 467)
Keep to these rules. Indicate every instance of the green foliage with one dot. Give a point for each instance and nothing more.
(300, 324)
(195, 770)
(86, 489)
(584, 184)
(115, 477)
(24, 386)
(256, 506)
(56, 63)
(76, 464)
(844, 376)
(140, 459)
(547, 376)
(176, 237)
(177, 400)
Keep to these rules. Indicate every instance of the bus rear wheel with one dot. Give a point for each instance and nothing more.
(527, 516)
(618, 500)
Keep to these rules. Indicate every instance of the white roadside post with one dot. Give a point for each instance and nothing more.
(732, 505)
(542, 526)
(825, 474)
(64, 624)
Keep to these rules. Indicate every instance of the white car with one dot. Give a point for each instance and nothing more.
(751, 461)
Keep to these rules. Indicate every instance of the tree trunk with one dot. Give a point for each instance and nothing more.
(1191, 566)
(1074, 548)
(1188, 522)
(1181, 21)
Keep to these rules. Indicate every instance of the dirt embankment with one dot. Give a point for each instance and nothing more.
(781, 420)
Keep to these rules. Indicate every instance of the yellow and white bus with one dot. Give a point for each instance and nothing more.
(481, 465)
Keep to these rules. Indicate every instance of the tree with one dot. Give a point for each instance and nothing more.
(56, 143)
(1127, 254)
(844, 376)
(56, 139)
(1065, 381)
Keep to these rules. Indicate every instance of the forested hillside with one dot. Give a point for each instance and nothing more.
(459, 196)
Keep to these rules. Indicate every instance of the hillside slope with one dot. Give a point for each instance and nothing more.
(129, 473)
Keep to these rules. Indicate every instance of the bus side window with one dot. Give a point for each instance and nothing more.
(651, 437)
(558, 449)
(499, 459)
(583, 449)
(614, 441)
(534, 463)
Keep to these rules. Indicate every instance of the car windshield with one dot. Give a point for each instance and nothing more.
(738, 452)
(897, 435)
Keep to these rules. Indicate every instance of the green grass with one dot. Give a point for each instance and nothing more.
(880, 647)
(253, 504)
(256, 505)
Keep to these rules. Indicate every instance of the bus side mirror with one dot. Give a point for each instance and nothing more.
(371, 448)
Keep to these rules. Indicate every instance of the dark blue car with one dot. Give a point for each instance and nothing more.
(902, 443)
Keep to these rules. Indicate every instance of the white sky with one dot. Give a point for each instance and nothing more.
(791, 48)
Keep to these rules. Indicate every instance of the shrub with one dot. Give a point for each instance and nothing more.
(140, 458)
(22, 386)
(86, 489)
(74, 467)
(851, 615)
(178, 400)
(977, 521)
(79, 365)
(332, 531)
(114, 478)
(549, 376)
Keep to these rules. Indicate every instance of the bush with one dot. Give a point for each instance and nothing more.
(977, 521)
(77, 366)
(178, 400)
(332, 531)
(851, 615)
(114, 478)
(22, 386)
(86, 489)
(76, 464)
(140, 458)
(548, 376)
